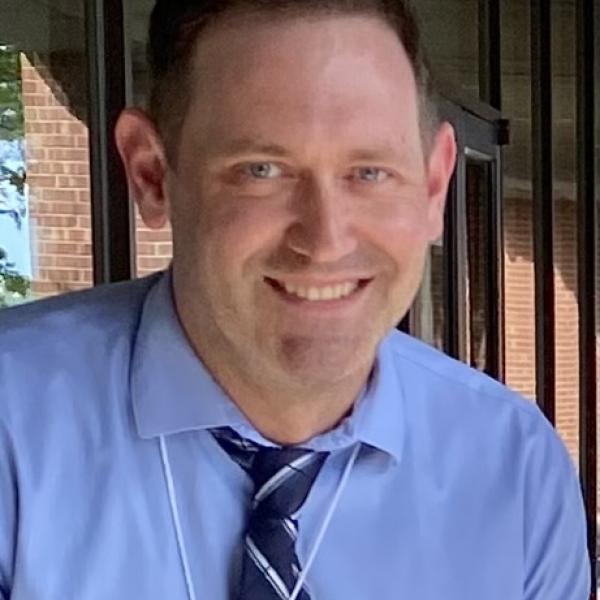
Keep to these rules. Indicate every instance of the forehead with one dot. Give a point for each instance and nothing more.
(320, 75)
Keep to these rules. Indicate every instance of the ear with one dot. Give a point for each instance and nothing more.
(440, 167)
(144, 157)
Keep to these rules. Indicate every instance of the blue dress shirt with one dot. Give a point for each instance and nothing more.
(461, 489)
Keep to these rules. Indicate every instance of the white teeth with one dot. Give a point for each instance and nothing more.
(329, 293)
(315, 294)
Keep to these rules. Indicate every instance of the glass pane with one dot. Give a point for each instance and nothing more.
(45, 225)
(451, 39)
(564, 130)
(427, 312)
(518, 229)
(478, 205)
(153, 247)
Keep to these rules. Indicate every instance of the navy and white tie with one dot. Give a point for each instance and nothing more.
(282, 478)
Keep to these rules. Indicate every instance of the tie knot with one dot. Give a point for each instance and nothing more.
(282, 477)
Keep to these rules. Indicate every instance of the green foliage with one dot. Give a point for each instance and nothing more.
(11, 105)
(14, 288)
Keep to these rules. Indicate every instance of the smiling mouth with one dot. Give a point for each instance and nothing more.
(323, 293)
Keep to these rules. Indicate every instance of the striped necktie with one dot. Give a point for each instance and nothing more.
(282, 478)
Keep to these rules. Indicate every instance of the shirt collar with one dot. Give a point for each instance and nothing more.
(172, 392)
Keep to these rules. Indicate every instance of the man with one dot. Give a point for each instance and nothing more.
(246, 425)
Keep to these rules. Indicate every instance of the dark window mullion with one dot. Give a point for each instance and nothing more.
(543, 206)
(111, 215)
(496, 271)
(457, 319)
(586, 227)
(451, 272)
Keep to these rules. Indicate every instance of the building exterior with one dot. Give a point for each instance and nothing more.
(512, 288)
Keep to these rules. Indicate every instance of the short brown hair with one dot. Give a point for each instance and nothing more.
(176, 25)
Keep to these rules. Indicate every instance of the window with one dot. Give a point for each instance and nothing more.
(45, 224)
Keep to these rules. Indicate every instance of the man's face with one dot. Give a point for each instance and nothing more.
(301, 202)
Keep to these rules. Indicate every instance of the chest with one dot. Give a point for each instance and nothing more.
(108, 531)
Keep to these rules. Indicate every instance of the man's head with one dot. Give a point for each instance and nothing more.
(175, 28)
(301, 198)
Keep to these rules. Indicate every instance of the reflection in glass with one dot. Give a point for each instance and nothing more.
(45, 228)
(478, 203)
(564, 133)
(153, 247)
(427, 312)
(517, 190)
(451, 39)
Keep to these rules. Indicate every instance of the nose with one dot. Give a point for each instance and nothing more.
(323, 226)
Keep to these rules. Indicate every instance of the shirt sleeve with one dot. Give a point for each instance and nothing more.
(557, 565)
(8, 513)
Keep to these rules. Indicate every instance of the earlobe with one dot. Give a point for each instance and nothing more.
(143, 156)
(442, 161)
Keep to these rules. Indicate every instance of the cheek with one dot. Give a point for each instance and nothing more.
(400, 227)
(237, 231)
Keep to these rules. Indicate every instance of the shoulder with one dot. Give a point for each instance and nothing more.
(72, 317)
(473, 419)
(432, 369)
(476, 434)
(466, 408)
(67, 341)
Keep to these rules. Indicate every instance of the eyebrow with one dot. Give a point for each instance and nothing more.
(373, 155)
(242, 146)
(251, 146)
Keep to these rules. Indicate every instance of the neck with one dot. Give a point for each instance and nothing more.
(286, 411)
(293, 418)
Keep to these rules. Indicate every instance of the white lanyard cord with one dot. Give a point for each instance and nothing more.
(176, 521)
(317, 543)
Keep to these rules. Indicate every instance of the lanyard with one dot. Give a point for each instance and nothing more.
(315, 547)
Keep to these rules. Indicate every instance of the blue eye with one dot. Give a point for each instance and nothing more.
(372, 174)
(263, 170)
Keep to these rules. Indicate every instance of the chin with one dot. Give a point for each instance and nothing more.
(319, 380)
(318, 363)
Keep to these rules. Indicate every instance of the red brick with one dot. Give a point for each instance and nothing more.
(145, 249)
(75, 262)
(152, 264)
(57, 221)
(160, 235)
(62, 275)
(164, 250)
(53, 113)
(84, 196)
(41, 181)
(33, 153)
(68, 154)
(72, 181)
(79, 235)
(58, 248)
(44, 261)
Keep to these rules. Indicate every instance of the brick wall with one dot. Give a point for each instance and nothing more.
(520, 311)
(520, 301)
(567, 324)
(154, 248)
(58, 179)
(59, 182)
